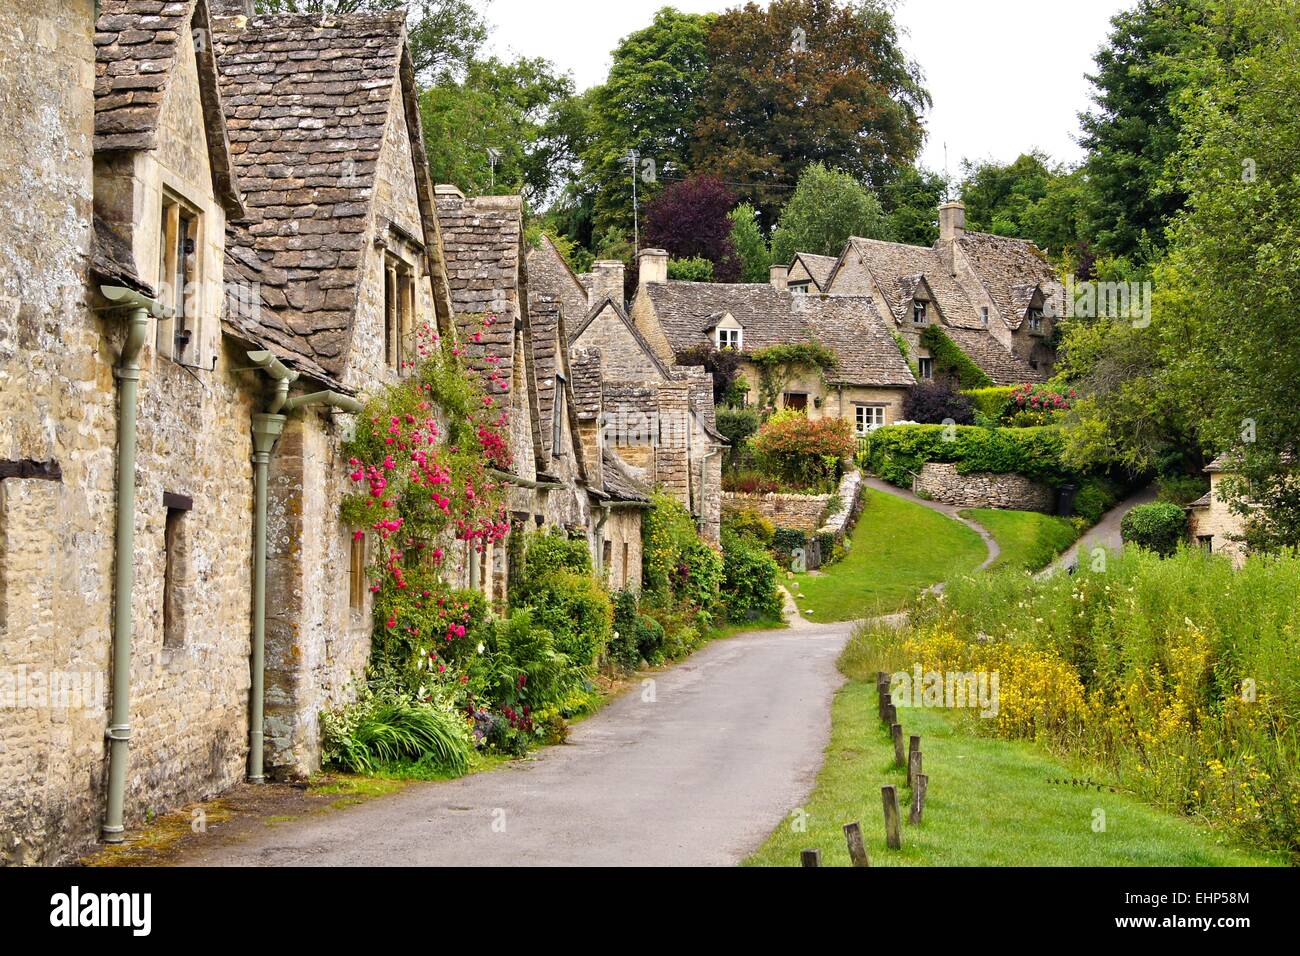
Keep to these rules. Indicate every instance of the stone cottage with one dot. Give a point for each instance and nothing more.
(1212, 522)
(220, 227)
(654, 416)
(870, 378)
(992, 296)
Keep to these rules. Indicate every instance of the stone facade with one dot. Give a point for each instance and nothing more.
(1212, 523)
(800, 512)
(942, 482)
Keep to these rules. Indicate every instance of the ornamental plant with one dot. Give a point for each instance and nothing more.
(803, 451)
(1039, 404)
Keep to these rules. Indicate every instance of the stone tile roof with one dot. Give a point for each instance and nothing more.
(544, 319)
(112, 259)
(584, 366)
(481, 240)
(848, 325)
(898, 268)
(990, 355)
(549, 274)
(619, 483)
(1010, 269)
(819, 267)
(307, 100)
(137, 43)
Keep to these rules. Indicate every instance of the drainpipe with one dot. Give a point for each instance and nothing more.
(600, 540)
(128, 375)
(267, 428)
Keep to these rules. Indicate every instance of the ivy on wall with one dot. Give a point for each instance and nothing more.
(778, 364)
(950, 360)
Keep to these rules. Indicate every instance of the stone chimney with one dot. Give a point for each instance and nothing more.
(447, 189)
(231, 8)
(952, 221)
(778, 276)
(606, 281)
(654, 265)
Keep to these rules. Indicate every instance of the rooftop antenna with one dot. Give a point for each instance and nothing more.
(632, 157)
(494, 155)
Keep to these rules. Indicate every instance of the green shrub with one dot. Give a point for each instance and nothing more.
(897, 451)
(553, 550)
(677, 566)
(1160, 527)
(692, 269)
(806, 452)
(377, 731)
(749, 583)
(748, 523)
(1094, 497)
(786, 541)
(576, 609)
(991, 403)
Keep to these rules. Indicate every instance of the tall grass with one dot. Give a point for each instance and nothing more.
(382, 732)
(1179, 677)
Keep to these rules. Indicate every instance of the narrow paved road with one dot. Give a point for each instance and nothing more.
(698, 775)
(1104, 534)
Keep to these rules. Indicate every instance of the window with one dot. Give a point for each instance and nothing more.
(800, 287)
(1035, 316)
(797, 401)
(919, 309)
(399, 311)
(625, 564)
(1206, 541)
(179, 281)
(175, 568)
(926, 367)
(867, 417)
(729, 339)
(357, 583)
(557, 418)
(984, 315)
(606, 556)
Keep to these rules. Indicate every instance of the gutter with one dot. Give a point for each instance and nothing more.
(513, 479)
(267, 428)
(127, 372)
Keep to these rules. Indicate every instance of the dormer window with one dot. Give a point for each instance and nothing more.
(399, 311)
(920, 311)
(984, 316)
(799, 287)
(179, 281)
(729, 338)
(1035, 319)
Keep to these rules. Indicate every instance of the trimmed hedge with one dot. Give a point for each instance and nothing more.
(897, 451)
(1160, 527)
(990, 403)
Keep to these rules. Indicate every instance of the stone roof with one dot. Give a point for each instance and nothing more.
(819, 267)
(307, 100)
(112, 259)
(137, 43)
(898, 268)
(584, 366)
(1010, 269)
(619, 483)
(992, 358)
(549, 274)
(848, 325)
(544, 321)
(481, 241)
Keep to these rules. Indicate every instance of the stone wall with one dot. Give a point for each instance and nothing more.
(623, 533)
(941, 482)
(801, 512)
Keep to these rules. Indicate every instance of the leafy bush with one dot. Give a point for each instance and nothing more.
(749, 583)
(802, 450)
(1160, 527)
(738, 425)
(748, 523)
(1038, 404)
(935, 403)
(576, 609)
(1095, 496)
(991, 403)
(694, 269)
(638, 636)
(899, 450)
(676, 564)
(748, 481)
(377, 731)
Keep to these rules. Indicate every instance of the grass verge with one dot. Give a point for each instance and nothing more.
(1029, 540)
(898, 548)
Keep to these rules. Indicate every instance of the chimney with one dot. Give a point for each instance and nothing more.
(606, 281)
(952, 221)
(446, 189)
(778, 276)
(231, 8)
(654, 265)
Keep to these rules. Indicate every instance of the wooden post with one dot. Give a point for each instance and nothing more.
(891, 713)
(885, 703)
(899, 759)
(810, 858)
(857, 848)
(918, 798)
(913, 768)
(913, 744)
(889, 796)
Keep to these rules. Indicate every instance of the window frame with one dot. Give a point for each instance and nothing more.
(398, 310)
(925, 367)
(876, 410)
(920, 307)
(737, 334)
(557, 416)
(1036, 321)
(180, 279)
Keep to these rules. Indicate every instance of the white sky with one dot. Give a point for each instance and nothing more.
(1006, 75)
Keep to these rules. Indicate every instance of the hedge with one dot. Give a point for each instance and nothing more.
(990, 403)
(1159, 527)
(898, 451)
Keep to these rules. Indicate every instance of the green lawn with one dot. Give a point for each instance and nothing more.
(1029, 540)
(990, 803)
(899, 548)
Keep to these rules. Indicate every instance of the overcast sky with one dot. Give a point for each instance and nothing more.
(1006, 75)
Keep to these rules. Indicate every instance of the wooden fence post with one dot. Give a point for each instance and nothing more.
(918, 798)
(857, 848)
(913, 768)
(810, 858)
(899, 759)
(889, 796)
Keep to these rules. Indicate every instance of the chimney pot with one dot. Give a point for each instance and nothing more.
(606, 281)
(778, 276)
(654, 265)
(447, 189)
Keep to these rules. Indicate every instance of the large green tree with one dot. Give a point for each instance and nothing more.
(801, 82)
(445, 35)
(751, 248)
(828, 206)
(1030, 198)
(911, 201)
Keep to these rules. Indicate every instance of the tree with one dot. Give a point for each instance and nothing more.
(935, 403)
(806, 81)
(445, 35)
(911, 201)
(650, 104)
(1030, 198)
(827, 208)
(747, 239)
(508, 107)
(689, 218)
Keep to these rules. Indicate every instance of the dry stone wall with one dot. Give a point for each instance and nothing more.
(942, 482)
